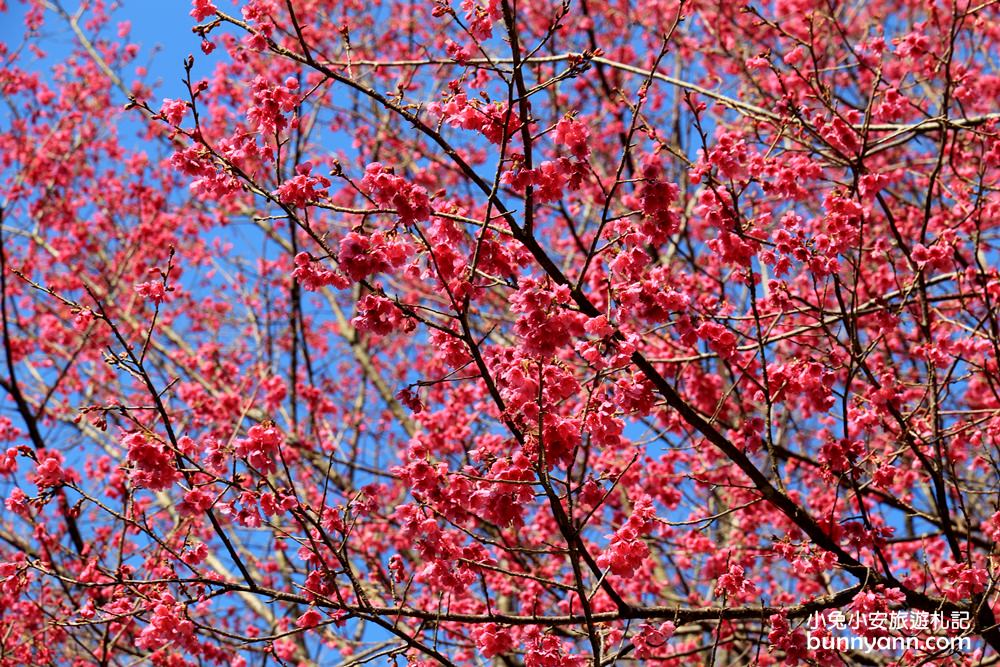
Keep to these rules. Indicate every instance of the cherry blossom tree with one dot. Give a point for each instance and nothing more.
(517, 332)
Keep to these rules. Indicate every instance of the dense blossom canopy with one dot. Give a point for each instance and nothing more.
(534, 333)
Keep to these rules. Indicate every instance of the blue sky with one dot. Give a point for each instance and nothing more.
(161, 28)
